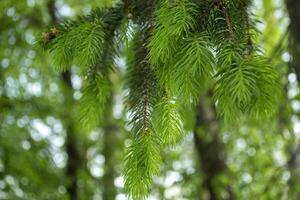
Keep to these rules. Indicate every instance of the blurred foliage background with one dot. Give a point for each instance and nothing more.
(44, 154)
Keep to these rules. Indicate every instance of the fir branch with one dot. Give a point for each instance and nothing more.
(80, 41)
(266, 102)
(61, 47)
(173, 21)
(228, 21)
(193, 68)
(90, 45)
(142, 162)
(167, 122)
(171, 51)
(242, 85)
(245, 85)
(83, 40)
(142, 158)
(95, 94)
(145, 112)
(89, 42)
(142, 85)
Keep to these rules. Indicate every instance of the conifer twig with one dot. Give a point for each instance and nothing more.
(145, 104)
(227, 19)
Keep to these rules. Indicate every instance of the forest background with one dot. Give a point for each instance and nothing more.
(46, 154)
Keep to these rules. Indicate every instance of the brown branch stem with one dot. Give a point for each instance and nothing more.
(228, 22)
(145, 114)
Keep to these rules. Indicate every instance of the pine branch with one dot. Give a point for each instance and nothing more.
(173, 21)
(245, 85)
(79, 42)
(62, 49)
(142, 158)
(167, 122)
(93, 101)
(83, 41)
(89, 46)
(141, 164)
(90, 43)
(193, 68)
(171, 58)
(227, 19)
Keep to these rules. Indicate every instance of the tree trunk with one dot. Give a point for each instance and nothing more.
(293, 7)
(74, 159)
(73, 164)
(111, 143)
(210, 151)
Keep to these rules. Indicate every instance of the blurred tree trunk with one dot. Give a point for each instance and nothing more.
(293, 7)
(72, 150)
(110, 145)
(73, 164)
(211, 152)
